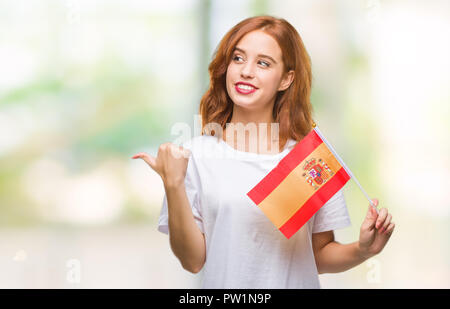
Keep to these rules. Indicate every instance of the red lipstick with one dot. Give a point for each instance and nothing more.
(247, 90)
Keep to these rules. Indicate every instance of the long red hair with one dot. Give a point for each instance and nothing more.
(292, 108)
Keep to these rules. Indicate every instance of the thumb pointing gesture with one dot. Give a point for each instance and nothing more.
(170, 163)
(151, 161)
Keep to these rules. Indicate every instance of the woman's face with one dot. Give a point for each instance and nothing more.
(256, 60)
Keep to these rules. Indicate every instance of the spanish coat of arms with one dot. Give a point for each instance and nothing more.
(316, 172)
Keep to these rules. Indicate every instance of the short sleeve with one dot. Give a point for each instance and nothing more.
(192, 185)
(333, 215)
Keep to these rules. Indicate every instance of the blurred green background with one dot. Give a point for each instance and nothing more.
(84, 85)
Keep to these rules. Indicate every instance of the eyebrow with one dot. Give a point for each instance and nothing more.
(259, 55)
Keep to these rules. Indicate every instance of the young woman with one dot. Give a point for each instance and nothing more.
(260, 77)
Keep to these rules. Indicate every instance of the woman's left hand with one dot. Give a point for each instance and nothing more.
(375, 231)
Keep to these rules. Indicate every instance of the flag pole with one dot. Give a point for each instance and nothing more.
(316, 128)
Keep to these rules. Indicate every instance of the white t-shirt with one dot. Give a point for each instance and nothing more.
(243, 247)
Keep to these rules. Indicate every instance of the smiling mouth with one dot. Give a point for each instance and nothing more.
(244, 89)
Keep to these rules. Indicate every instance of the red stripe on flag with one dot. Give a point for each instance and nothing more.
(284, 167)
(314, 203)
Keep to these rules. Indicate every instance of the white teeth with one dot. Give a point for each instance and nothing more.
(245, 87)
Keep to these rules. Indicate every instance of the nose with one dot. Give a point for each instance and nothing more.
(247, 70)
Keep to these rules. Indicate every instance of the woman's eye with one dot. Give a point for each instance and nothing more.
(263, 62)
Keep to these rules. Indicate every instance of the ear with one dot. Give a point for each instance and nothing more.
(287, 80)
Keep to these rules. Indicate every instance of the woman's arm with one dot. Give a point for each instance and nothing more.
(333, 257)
(186, 239)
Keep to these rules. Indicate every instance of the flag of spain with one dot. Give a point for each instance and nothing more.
(302, 182)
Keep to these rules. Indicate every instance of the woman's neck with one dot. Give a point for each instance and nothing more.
(253, 131)
(245, 116)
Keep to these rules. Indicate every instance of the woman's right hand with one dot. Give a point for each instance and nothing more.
(170, 163)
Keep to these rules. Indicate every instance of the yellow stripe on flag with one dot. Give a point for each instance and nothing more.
(290, 195)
